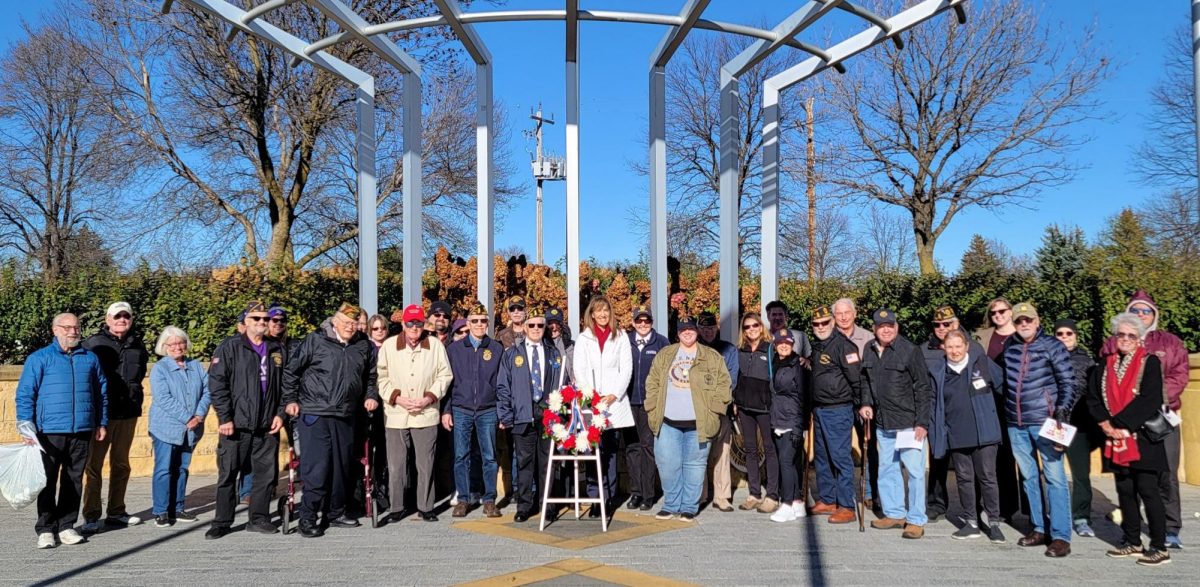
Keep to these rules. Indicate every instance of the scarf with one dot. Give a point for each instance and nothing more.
(1120, 387)
(601, 335)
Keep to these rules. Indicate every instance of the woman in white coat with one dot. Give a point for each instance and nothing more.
(603, 361)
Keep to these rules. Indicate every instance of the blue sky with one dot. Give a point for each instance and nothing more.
(529, 70)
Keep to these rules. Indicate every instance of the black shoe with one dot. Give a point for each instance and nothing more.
(634, 503)
(184, 516)
(262, 527)
(687, 517)
(162, 521)
(935, 516)
(310, 529)
(428, 516)
(344, 522)
(994, 534)
(216, 532)
(647, 505)
(395, 516)
(594, 511)
(521, 517)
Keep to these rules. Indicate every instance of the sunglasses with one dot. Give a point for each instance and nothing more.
(278, 320)
(123, 316)
(439, 314)
(414, 324)
(643, 321)
(516, 308)
(478, 321)
(1138, 311)
(822, 324)
(256, 318)
(749, 326)
(943, 324)
(538, 326)
(379, 328)
(460, 332)
(1126, 336)
(1064, 333)
(1023, 320)
(1000, 311)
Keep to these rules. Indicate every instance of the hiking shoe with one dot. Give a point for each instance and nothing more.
(460, 510)
(913, 532)
(1125, 550)
(70, 537)
(162, 521)
(785, 513)
(750, 503)
(664, 515)
(185, 516)
(490, 510)
(768, 506)
(966, 532)
(46, 540)
(994, 534)
(1082, 528)
(886, 523)
(1173, 541)
(122, 520)
(90, 527)
(1154, 558)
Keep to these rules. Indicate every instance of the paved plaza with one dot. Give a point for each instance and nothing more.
(737, 548)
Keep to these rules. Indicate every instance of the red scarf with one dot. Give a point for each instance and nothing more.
(1119, 393)
(601, 335)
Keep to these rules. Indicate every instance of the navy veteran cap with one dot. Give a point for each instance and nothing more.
(554, 315)
(884, 316)
(707, 319)
(686, 323)
(440, 306)
(642, 310)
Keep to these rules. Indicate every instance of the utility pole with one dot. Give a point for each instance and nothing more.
(810, 177)
(544, 169)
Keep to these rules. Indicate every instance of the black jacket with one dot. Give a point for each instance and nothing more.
(788, 409)
(753, 390)
(1153, 456)
(327, 377)
(233, 383)
(836, 371)
(897, 385)
(124, 364)
(641, 364)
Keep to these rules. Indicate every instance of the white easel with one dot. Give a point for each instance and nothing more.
(576, 499)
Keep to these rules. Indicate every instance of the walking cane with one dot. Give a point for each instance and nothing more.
(862, 482)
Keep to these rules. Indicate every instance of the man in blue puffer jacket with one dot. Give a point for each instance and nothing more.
(1040, 385)
(62, 398)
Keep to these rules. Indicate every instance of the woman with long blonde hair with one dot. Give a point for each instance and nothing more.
(603, 361)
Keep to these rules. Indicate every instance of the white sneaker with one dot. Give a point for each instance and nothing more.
(46, 540)
(123, 520)
(70, 537)
(454, 499)
(799, 510)
(783, 514)
(90, 527)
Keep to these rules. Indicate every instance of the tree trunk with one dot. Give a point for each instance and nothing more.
(810, 176)
(925, 245)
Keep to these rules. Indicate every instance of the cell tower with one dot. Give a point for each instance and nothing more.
(545, 168)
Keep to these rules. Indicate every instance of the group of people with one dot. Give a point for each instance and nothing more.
(982, 403)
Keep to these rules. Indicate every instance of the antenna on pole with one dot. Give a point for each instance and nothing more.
(544, 169)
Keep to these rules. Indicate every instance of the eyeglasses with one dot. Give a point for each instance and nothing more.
(749, 326)
(178, 343)
(1064, 333)
(1126, 336)
(822, 324)
(256, 318)
(516, 308)
(643, 321)
(122, 316)
(1141, 311)
(68, 327)
(478, 320)
(539, 326)
(278, 320)
(1023, 320)
(1000, 311)
(439, 314)
(379, 328)
(462, 332)
(414, 324)
(943, 324)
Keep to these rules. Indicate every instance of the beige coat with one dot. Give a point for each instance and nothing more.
(412, 373)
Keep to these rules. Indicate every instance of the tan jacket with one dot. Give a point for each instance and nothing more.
(423, 371)
(710, 384)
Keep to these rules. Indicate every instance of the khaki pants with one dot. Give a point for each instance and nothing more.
(718, 467)
(116, 443)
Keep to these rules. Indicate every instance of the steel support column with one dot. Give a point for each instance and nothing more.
(485, 230)
(770, 197)
(659, 286)
(411, 187)
(574, 312)
(368, 229)
(730, 249)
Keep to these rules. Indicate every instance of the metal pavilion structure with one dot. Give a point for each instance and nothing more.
(353, 26)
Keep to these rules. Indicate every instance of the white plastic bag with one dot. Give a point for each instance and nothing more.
(22, 474)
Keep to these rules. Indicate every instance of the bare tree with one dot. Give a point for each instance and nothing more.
(884, 245)
(1168, 157)
(832, 253)
(976, 115)
(257, 150)
(61, 160)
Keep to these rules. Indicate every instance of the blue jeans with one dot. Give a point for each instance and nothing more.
(1024, 440)
(835, 467)
(681, 460)
(482, 426)
(891, 481)
(169, 485)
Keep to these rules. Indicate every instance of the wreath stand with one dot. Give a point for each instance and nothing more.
(575, 499)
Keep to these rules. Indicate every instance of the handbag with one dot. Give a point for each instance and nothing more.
(1157, 428)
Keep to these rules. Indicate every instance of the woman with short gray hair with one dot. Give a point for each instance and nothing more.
(1124, 393)
(180, 401)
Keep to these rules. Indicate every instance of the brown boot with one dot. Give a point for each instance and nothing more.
(886, 523)
(1058, 549)
(768, 506)
(460, 510)
(750, 503)
(822, 509)
(490, 510)
(913, 531)
(842, 516)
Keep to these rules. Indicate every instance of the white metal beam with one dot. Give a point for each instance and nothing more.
(368, 227)
(770, 197)
(351, 22)
(574, 312)
(411, 168)
(659, 286)
(674, 38)
(799, 20)
(730, 250)
(485, 242)
(465, 32)
(848, 48)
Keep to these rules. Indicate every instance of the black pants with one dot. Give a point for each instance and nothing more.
(786, 448)
(325, 466)
(257, 452)
(639, 456)
(609, 441)
(973, 465)
(532, 455)
(754, 424)
(1132, 485)
(64, 458)
(937, 497)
